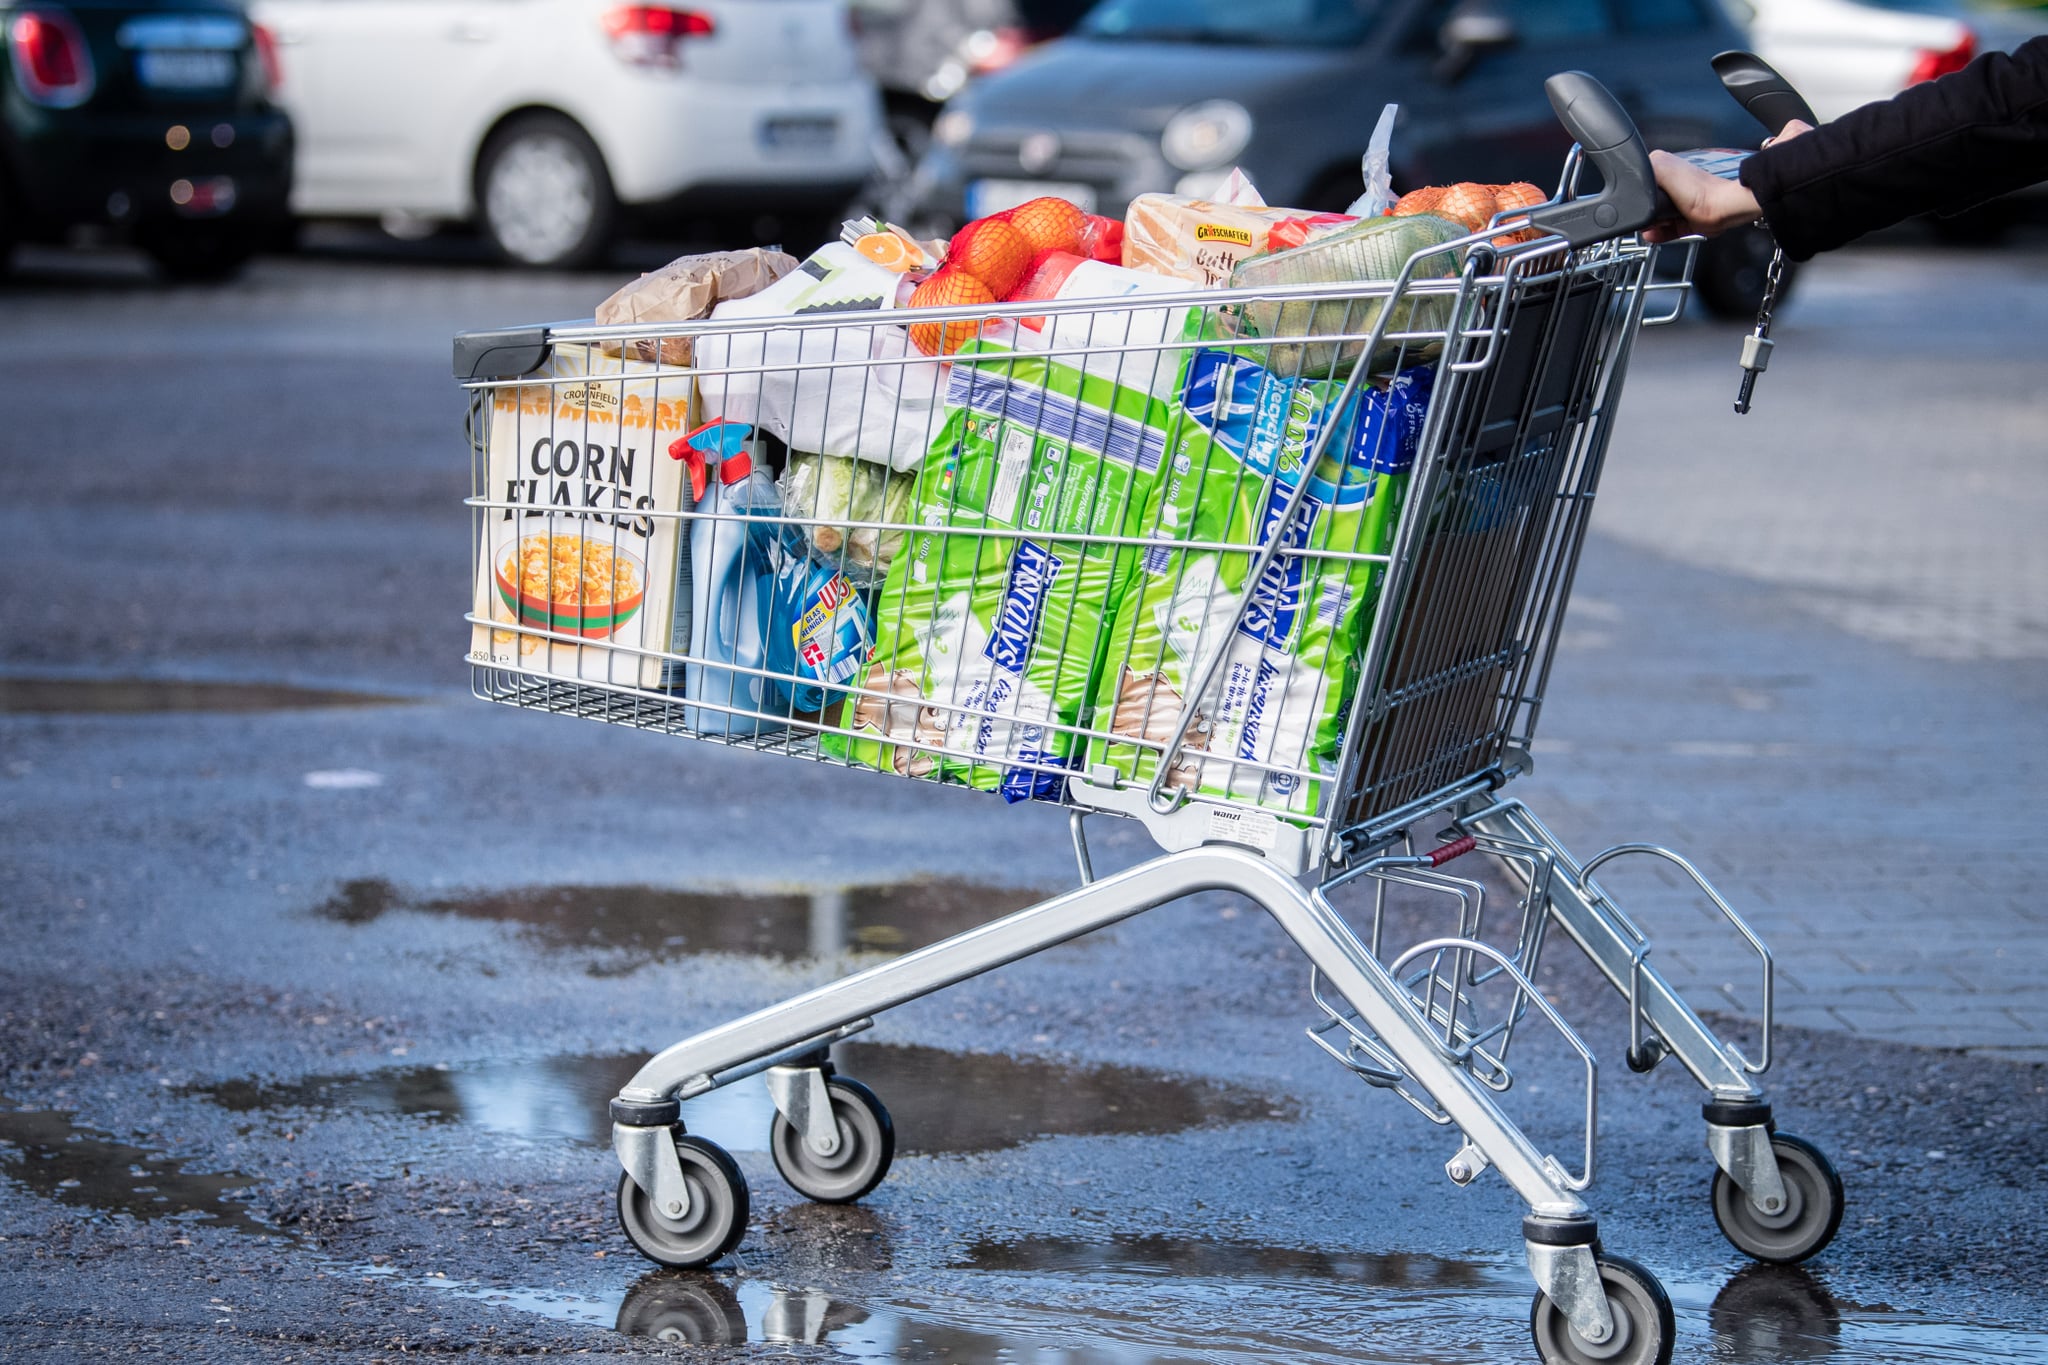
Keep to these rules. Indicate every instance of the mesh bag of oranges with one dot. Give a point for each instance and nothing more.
(992, 259)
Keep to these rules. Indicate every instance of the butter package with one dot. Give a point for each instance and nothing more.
(1202, 241)
(1270, 723)
(987, 645)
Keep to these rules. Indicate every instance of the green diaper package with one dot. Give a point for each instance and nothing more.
(1280, 697)
(987, 646)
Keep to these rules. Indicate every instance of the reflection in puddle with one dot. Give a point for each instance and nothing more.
(1766, 1314)
(1189, 1256)
(654, 923)
(50, 1155)
(942, 1101)
(685, 1308)
(1164, 1301)
(148, 696)
(700, 1310)
(1776, 1312)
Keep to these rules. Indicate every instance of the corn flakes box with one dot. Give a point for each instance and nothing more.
(990, 624)
(578, 454)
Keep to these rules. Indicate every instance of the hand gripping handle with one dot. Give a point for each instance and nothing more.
(1766, 96)
(1629, 197)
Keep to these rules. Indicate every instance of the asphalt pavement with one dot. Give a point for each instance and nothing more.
(313, 997)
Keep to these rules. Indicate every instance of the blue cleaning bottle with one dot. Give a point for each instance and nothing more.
(818, 630)
(732, 569)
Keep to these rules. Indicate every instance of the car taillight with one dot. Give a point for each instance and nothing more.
(1932, 64)
(52, 64)
(266, 53)
(990, 50)
(653, 35)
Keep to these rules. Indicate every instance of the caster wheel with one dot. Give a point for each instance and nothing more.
(714, 1223)
(867, 1144)
(1643, 1325)
(1810, 1218)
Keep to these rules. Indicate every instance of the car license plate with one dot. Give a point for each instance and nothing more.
(799, 133)
(171, 69)
(993, 196)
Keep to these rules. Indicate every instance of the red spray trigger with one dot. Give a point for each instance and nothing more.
(716, 440)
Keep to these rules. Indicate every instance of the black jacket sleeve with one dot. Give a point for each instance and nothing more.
(1938, 147)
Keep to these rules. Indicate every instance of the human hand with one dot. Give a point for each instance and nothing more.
(1705, 205)
(1793, 128)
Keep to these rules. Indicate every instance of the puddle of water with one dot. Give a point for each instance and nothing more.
(148, 696)
(1766, 1314)
(681, 1308)
(1073, 1302)
(663, 925)
(52, 1156)
(1183, 1257)
(942, 1101)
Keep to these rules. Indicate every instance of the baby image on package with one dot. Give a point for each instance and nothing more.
(987, 645)
(1271, 722)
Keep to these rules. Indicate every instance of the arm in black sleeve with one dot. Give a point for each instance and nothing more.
(1937, 147)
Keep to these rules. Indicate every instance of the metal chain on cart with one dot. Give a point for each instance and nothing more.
(1756, 347)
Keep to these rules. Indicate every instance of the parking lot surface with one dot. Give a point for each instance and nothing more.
(313, 998)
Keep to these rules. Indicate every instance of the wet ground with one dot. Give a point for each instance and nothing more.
(1231, 1197)
(318, 972)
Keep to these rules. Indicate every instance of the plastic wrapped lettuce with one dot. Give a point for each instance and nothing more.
(841, 493)
(1369, 251)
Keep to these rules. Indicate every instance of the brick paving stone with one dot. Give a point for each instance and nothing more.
(1805, 648)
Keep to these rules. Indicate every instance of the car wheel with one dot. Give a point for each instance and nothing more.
(543, 195)
(7, 231)
(1729, 276)
(200, 256)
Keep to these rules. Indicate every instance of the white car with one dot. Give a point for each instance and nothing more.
(544, 120)
(1844, 53)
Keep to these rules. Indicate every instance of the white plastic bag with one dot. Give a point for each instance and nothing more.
(1377, 165)
(814, 387)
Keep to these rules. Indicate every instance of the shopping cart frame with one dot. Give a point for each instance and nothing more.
(1411, 1024)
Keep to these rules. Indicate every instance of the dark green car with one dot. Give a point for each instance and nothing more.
(150, 118)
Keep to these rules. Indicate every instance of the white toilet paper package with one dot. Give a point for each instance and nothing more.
(1277, 704)
(987, 645)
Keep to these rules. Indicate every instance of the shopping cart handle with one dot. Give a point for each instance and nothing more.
(1629, 197)
(1765, 95)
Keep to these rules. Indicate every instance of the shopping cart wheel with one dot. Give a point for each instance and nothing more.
(714, 1222)
(1812, 1212)
(867, 1144)
(1643, 1324)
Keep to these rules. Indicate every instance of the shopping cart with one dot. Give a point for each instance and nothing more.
(1298, 623)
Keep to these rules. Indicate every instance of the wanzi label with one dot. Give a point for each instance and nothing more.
(1033, 569)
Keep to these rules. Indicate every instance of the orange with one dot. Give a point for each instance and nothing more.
(890, 251)
(947, 289)
(1049, 224)
(993, 252)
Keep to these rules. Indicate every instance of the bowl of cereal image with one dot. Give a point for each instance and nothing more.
(572, 584)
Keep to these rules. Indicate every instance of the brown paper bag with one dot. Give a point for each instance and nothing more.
(684, 290)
